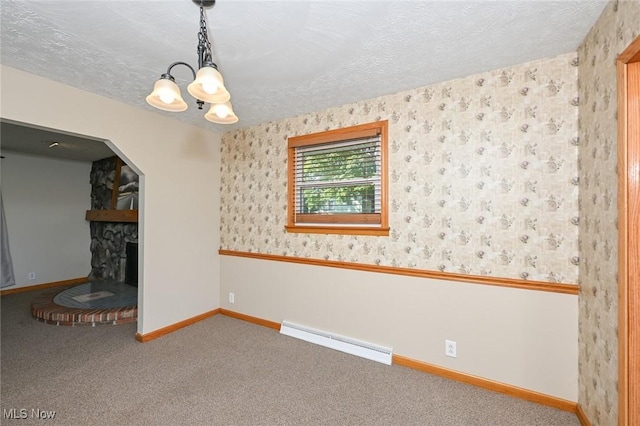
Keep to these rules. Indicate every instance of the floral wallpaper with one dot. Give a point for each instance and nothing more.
(483, 177)
(598, 307)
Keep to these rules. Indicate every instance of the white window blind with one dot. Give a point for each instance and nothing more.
(339, 177)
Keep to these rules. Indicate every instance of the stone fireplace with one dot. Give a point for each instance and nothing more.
(114, 242)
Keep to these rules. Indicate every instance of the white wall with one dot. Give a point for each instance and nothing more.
(45, 202)
(179, 166)
(520, 337)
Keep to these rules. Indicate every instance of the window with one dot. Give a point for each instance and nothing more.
(338, 181)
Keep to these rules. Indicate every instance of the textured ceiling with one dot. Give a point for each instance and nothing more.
(284, 58)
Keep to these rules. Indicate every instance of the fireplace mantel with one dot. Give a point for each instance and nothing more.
(130, 216)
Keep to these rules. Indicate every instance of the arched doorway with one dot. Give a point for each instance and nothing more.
(69, 266)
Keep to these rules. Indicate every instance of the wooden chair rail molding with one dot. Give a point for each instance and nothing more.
(421, 273)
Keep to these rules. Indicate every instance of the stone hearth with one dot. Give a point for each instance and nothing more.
(114, 303)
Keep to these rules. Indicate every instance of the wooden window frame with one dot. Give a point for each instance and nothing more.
(335, 223)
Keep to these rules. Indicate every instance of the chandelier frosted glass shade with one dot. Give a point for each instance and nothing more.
(209, 86)
(166, 96)
(221, 113)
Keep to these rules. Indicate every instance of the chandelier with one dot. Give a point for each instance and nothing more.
(207, 85)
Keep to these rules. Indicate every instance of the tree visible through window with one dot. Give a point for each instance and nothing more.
(337, 181)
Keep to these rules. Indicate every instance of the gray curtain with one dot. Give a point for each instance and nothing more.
(8, 278)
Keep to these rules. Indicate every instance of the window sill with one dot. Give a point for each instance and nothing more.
(342, 230)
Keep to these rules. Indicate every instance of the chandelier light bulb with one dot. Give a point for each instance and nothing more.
(209, 86)
(221, 114)
(166, 97)
(221, 110)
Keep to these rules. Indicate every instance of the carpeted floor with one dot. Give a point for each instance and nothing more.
(223, 371)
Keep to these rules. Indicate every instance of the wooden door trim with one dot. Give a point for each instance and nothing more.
(628, 247)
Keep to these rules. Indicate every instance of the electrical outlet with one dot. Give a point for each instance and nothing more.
(450, 348)
(31, 275)
(232, 298)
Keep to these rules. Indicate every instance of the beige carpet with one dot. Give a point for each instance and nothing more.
(224, 371)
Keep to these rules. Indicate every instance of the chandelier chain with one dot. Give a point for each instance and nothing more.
(203, 37)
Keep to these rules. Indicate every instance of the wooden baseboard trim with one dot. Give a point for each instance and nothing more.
(71, 281)
(249, 318)
(503, 388)
(420, 273)
(491, 385)
(142, 338)
(584, 420)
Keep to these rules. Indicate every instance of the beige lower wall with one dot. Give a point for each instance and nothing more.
(519, 337)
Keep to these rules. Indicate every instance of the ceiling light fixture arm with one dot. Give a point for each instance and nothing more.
(168, 75)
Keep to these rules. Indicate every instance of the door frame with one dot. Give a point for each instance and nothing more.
(628, 231)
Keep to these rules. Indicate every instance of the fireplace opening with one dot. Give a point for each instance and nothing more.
(131, 264)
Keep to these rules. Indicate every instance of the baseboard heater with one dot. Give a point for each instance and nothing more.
(341, 343)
